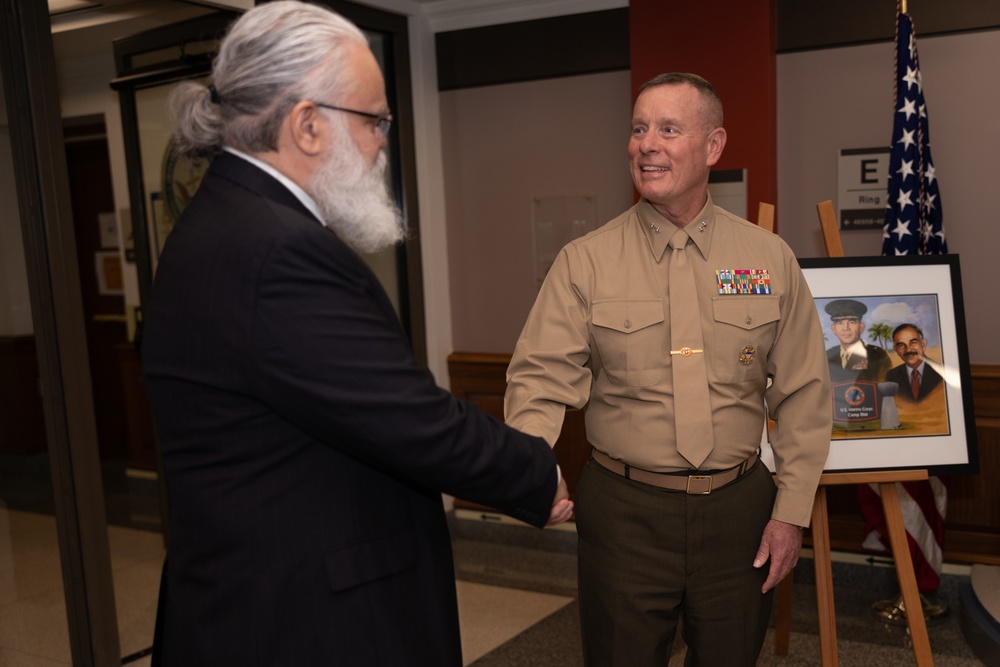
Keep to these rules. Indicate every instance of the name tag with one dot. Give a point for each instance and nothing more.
(743, 281)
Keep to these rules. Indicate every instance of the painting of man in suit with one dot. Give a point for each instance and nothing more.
(915, 377)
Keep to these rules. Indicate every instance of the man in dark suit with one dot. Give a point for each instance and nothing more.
(853, 360)
(911, 347)
(305, 451)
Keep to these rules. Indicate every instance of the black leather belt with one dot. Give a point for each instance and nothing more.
(692, 484)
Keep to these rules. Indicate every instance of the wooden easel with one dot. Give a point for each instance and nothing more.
(886, 481)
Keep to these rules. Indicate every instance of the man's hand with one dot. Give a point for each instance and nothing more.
(562, 506)
(781, 544)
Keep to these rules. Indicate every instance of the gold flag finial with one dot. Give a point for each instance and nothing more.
(903, 6)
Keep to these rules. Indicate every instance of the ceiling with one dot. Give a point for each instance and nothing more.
(84, 28)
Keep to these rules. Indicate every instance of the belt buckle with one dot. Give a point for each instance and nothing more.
(705, 480)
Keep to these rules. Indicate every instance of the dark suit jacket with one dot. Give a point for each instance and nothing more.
(859, 369)
(305, 451)
(928, 381)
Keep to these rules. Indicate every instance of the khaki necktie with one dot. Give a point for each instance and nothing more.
(692, 405)
(915, 384)
(844, 356)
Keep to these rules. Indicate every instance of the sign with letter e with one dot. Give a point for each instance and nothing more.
(862, 187)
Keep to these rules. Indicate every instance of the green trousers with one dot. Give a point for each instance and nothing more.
(649, 558)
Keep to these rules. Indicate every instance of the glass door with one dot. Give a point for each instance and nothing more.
(124, 433)
(56, 596)
(33, 625)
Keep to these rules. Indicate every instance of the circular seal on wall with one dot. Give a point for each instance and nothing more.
(181, 177)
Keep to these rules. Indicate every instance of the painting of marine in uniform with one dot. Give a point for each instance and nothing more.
(886, 365)
(895, 345)
(852, 359)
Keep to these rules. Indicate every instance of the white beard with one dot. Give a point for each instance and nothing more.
(355, 200)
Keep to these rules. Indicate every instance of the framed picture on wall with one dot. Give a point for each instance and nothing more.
(108, 266)
(884, 318)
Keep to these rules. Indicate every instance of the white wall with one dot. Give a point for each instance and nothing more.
(430, 193)
(505, 145)
(842, 98)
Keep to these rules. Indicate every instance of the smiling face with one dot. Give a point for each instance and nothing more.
(910, 346)
(672, 146)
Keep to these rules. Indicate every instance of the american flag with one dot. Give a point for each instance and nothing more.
(913, 211)
(912, 227)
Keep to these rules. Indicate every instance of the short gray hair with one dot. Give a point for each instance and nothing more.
(907, 325)
(272, 57)
(706, 89)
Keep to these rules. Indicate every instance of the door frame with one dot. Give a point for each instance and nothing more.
(27, 63)
(178, 60)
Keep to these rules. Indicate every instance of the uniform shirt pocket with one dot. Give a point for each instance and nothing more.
(745, 328)
(629, 337)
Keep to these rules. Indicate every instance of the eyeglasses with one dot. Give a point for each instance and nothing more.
(382, 123)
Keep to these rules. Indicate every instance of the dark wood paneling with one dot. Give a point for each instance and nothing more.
(138, 418)
(972, 528)
(986, 390)
(530, 50)
(482, 379)
(816, 25)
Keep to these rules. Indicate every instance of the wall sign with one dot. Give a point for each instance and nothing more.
(862, 187)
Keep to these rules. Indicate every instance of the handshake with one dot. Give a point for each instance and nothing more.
(562, 506)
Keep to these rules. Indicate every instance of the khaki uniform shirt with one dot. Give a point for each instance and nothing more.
(599, 336)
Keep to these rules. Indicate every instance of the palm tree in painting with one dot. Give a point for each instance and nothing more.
(880, 333)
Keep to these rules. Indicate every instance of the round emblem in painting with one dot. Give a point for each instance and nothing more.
(747, 354)
(854, 396)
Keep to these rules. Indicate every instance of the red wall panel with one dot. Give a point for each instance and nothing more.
(732, 44)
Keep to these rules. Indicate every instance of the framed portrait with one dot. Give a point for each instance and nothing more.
(901, 393)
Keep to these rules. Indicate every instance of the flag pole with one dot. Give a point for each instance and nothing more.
(903, 3)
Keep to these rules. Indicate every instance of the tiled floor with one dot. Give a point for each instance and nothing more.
(492, 615)
(517, 557)
(33, 631)
(517, 590)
